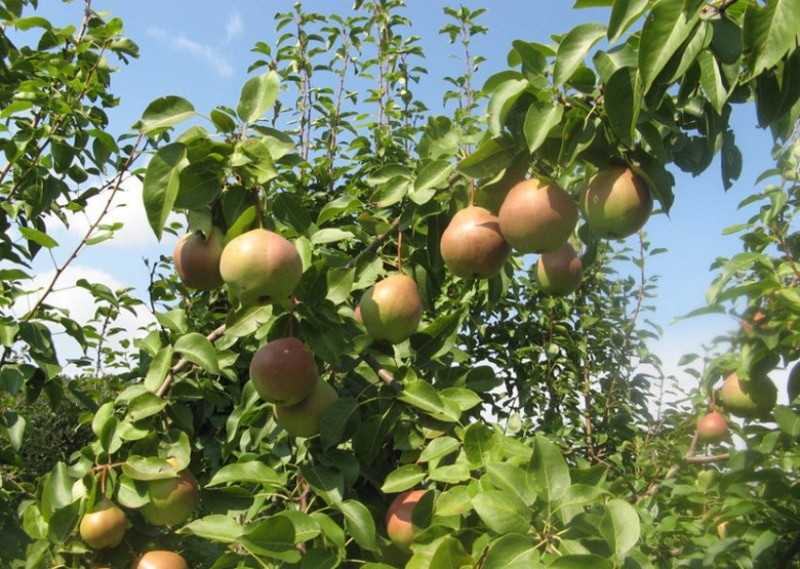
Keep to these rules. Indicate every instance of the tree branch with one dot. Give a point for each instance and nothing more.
(384, 375)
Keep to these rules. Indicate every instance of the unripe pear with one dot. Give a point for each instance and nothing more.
(260, 267)
(399, 526)
(160, 560)
(283, 371)
(537, 217)
(304, 418)
(197, 257)
(616, 203)
(748, 399)
(559, 272)
(472, 245)
(712, 427)
(172, 500)
(392, 308)
(104, 526)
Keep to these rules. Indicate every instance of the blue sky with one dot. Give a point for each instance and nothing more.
(200, 50)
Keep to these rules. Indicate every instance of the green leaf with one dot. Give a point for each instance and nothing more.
(159, 368)
(622, 101)
(540, 119)
(711, 80)
(492, 156)
(438, 448)
(340, 283)
(511, 478)
(769, 32)
(359, 523)
(422, 395)
(258, 96)
(257, 166)
(438, 337)
(38, 237)
(502, 512)
(57, 492)
(161, 183)
(14, 427)
(145, 405)
(199, 350)
(502, 101)
(326, 482)
(573, 48)
(331, 235)
(788, 421)
(623, 14)
(272, 537)
(165, 112)
(252, 471)
(581, 561)
(217, 527)
(148, 468)
(465, 398)
(480, 443)
(405, 477)
(450, 554)
(450, 474)
(549, 469)
(620, 527)
(664, 31)
(339, 422)
(512, 550)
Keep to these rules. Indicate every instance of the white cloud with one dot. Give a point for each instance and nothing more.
(127, 209)
(203, 52)
(80, 305)
(234, 26)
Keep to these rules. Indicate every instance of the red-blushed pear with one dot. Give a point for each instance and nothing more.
(559, 272)
(616, 203)
(472, 245)
(357, 314)
(197, 257)
(103, 526)
(399, 526)
(537, 217)
(160, 559)
(172, 500)
(392, 308)
(304, 418)
(752, 399)
(712, 427)
(283, 371)
(260, 267)
(793, 383)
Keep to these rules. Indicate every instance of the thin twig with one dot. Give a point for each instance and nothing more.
(384, 375)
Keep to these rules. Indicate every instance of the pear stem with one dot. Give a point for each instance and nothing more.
(400, 251)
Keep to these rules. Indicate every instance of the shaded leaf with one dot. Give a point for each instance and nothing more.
(502, 512)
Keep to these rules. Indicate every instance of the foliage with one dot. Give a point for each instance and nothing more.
(530, 417)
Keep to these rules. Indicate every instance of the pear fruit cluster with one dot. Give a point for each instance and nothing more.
(258, 266)
(540, 217)
(285, 374)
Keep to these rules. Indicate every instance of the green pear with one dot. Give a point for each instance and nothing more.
(304, 418)
(616, 203)
(103, 526)
(260, 267)
(172, 500)
(748, 399)
(392, 308)
(559, 272)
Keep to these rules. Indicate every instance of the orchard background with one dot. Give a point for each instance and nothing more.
(538, 424)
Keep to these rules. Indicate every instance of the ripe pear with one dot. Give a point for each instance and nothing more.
(160, 560)
(616, 203)
(283, 371)
(260, 267)
(472, 245)
(172, 500)
(712, 427)
(748, 399)
(197, 257)
(304, 418)
(559, 272)
(537, 217)
(103, 526)
(399, 525)
(392, 308)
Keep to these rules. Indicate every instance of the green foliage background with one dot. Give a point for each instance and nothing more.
(530, 418)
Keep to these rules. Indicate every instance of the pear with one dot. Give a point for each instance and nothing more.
(392, 308)
(616, 203)
(197, 257)
(283, 371)
(559, 272)
(472, 245)
(304, 418)
(537, 217)
(748, 399)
